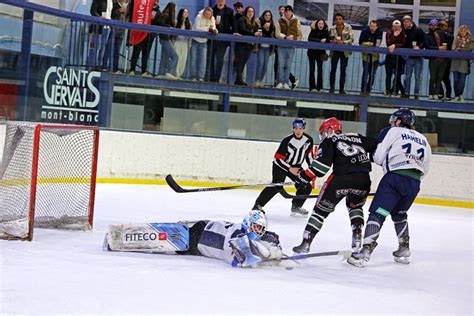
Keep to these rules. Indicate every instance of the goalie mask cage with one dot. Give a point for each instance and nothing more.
(47, 178)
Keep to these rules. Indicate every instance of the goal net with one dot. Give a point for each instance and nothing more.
(47, 178)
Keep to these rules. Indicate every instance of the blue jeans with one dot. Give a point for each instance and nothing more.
(119, 35)
(459, 83)
(369, 69)
(263, 56)
(197, 63)
(285, 59)
(415, 64)
(169, 58)
(97, 43)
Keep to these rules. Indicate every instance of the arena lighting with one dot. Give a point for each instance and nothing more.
(325, 106)
(191, 95)
(457, 116)
(372, 109)
(137, 90)
(258, 101)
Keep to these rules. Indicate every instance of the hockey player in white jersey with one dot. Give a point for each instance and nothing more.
(405, 156)
(240, 244)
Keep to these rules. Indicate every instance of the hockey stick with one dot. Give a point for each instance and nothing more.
(177, 188)
(345, 253)
(287, 195)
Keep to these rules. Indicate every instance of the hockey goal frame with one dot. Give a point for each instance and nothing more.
(38, 128)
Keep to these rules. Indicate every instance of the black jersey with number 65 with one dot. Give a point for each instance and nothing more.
(348, 153)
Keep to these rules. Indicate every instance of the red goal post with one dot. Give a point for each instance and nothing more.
(47, 178)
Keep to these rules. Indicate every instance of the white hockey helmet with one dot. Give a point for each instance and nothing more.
(255, 224)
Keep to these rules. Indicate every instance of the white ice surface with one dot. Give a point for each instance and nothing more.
(64, 272)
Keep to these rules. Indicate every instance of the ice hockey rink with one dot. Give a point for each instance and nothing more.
(68, 273)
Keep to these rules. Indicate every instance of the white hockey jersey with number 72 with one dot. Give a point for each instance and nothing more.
(403, 148)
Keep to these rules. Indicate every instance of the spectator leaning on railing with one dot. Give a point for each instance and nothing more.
(445, 93)
(289, 29)
(99, 34)
(395, 38)
(319, 33)
(461, 67)
(340, 33)
(245, 26)
(265, 24)
(239, 11)
(225, 24)
(371, 36)
(169, 57)
(436, 40)
(182, 44)
(120, 12)
(415, 40)
(204, 22)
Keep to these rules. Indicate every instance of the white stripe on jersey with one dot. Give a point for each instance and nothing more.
(214, 241)
(297, 149)
(403, 148)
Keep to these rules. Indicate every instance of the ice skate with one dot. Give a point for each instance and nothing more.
(359, 259)
(401, 255)
(298, 211)
(356, 237)
(303, 247)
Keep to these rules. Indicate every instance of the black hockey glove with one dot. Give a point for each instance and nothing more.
(302, 179)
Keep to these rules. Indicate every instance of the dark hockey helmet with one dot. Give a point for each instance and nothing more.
(332, 123)
(406, 116)
(299, 122)
(255, 224)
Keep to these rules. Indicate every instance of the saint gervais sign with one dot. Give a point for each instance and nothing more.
(71, 96)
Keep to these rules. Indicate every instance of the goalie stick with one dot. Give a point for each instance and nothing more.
(177, 188)
(287, 195)
(345, 253)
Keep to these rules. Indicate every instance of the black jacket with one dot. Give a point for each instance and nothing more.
(415, 34)
(244, 29)
(228, 24)
(97, 8)
(316, 35)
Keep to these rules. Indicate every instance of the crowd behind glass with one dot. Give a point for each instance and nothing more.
(200, 59)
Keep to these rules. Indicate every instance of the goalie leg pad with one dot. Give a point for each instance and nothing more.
(147, 237)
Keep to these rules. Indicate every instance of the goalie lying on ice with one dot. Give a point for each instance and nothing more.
(240, 244)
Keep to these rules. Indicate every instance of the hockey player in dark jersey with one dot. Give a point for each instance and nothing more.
(349, 155)
(287, 162)
(240, 244)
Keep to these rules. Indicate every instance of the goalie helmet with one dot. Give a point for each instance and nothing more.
(255, 224)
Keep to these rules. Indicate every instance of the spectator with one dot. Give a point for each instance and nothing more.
(239, 11)
(294, 82)
(204, 22)
(461, 67)
(99, 34)
(226, 24)
(245, 26)
(415, 40)
(289, 29)
(120, 12)
(266, 25)
(319, 33)
(169, 57)
(446, 93)
(182, 44)
(436, 40)
(340, 33)
(395, 38)
(371, 36)
(145, 45)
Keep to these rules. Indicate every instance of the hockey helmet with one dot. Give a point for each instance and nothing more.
(299, 122)
(406, 116)
(332, 123)
(255, 224)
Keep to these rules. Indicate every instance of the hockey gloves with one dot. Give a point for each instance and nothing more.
(302, 179)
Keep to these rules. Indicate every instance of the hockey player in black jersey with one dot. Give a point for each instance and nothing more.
(287, 162)
(349, 154)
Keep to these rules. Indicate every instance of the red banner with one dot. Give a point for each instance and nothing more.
(141, 15)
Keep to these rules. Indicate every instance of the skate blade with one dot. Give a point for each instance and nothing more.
(356, 247)
(359, 263)
(402, 260)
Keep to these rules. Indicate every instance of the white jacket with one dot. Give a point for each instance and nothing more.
(202, 24)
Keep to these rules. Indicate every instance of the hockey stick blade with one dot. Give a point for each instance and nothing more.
(287, 195)
(178, 189)
(345, 253)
